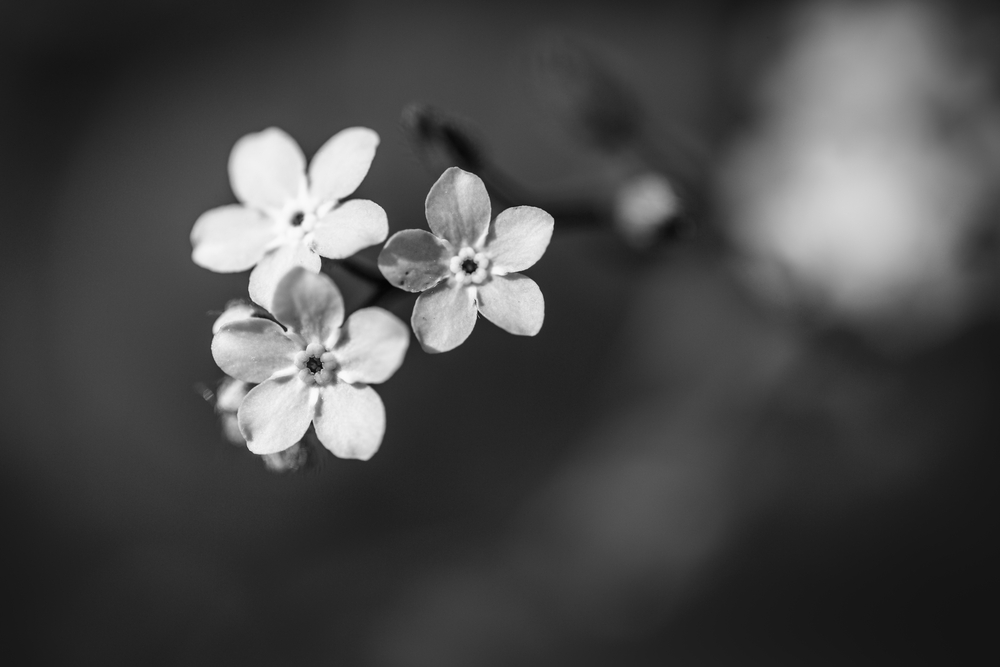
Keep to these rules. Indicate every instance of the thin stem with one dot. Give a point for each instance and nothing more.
(384, 296)
(569, 215)
(363, 270)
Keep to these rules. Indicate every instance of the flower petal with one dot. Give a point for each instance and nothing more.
(350, 227)
(350, 420)
(342, 163)
(309, 304)
(514, 303)
(518, 238)
(272, 268)
(414, 260)
(275, 415)
(253, 350)
(443, 317)
(458, 207)
(372, 346)
(234, 312)
(230, 238)
(266, 169)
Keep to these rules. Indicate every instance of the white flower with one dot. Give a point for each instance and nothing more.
(288, 218)
(313, 372)
(467, 264)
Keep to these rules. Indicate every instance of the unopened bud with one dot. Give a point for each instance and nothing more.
(288, 460)
(645, 206)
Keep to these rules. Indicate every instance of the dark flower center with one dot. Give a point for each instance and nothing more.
(470, 266)
(314, 365)
(297, 218)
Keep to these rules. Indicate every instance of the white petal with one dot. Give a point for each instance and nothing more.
(350, 420)
(266, 169)
(272, 268)
(342, 163)
(415, 260)
(309, 304)
(372, 346)
(230, 238)
(253, 350)
(514, 303)
(458, 208)
(518, 238)
(350, 227)
(443, 317)
(275, 415)
(234, 313)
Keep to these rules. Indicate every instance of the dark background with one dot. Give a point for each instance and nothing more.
(673, 472)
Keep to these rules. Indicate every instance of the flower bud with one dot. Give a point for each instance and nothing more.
(288, 460)
(644, 207)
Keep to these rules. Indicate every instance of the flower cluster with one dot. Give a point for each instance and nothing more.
(294, 360)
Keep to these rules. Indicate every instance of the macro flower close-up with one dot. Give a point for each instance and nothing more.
(312, 367)
(466, 265)
(735, 402)
(287, 216)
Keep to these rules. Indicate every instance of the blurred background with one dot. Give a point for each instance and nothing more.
(770, 441)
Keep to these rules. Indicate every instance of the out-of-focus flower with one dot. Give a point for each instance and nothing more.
(468, 264)
(870, 171)
(288, 218)
(644, 206)
(315, 371)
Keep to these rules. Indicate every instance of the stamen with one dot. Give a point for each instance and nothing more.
(470, 267)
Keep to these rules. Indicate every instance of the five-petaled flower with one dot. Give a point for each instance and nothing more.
(287, 218)
(312, 370)
(467, 263)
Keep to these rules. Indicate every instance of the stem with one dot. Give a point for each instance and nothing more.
(363, 270)
(571, 215)
(384, 296)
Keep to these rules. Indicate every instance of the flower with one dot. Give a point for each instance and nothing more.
(312, 370)
(287, 218)
(467, 263)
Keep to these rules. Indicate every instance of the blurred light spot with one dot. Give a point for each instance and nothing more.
(644, 206)
(872, 164)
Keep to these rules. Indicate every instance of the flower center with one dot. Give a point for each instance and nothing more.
(297, 218)
(470, 267)
(316, 365)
